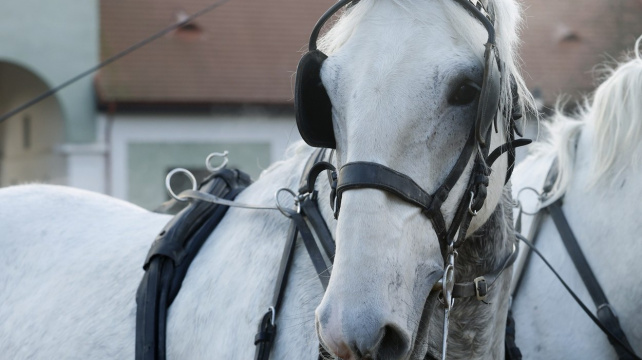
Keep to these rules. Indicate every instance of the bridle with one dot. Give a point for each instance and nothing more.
(313, 111)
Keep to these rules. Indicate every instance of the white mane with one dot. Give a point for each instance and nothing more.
(508, 18)
(614, 113)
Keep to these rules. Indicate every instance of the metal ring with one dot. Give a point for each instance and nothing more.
(470, 204)
(273, 311)
(284, 210)
(191, 177)
(209, 158)
(519, 203)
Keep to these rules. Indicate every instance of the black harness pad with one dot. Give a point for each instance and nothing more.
(171, 255)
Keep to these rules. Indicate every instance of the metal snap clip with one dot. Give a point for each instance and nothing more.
(187, 173)
(448, 282)
(208, 161)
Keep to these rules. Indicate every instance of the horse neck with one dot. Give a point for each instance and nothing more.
(477, 328)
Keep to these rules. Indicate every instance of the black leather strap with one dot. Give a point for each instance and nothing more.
(611, 336)
(313, 250)
(605, 311)
(308, 185)
(511, 145)
(310, 208)
(480, 288)
(266, 333)
(360, 175)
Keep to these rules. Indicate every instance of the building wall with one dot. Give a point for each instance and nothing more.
(51, 41)
(29, 140)
(563, 41)
(145, 147)
(56, 39)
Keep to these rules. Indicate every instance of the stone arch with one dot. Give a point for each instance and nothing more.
(30, 140)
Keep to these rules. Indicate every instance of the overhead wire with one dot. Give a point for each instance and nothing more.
(111, 59)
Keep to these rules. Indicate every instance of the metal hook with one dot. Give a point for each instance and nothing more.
(470, 204)
(284, 210)
(273, 311)
(189, 175)
(208, 164)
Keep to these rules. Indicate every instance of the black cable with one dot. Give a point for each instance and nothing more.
(111, 59)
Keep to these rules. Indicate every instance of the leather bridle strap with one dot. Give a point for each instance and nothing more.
(482, 285)
(362, 175)
(307, 211)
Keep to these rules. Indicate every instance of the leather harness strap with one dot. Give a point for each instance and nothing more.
(307, 209)
(605, 312)
(480, 286)
(606, 319)
(612, 338)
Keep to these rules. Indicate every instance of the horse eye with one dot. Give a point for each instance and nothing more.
(464, 95)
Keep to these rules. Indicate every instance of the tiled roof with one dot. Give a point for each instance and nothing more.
(565, 39)
(246, 51)
(242, 52)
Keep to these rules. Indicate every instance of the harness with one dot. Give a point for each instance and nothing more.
(171, 254)
(606, 319)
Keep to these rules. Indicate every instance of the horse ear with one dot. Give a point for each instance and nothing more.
(311, 102)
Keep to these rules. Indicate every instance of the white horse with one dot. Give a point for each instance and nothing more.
(599, 177)
(70, 260)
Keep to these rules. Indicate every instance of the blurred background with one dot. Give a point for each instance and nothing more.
(223, 82)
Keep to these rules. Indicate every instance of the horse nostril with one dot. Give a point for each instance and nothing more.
(394, 345)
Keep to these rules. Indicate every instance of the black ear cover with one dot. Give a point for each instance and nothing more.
(490, 94)
(311, 102)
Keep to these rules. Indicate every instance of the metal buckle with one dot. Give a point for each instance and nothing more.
(481, 288)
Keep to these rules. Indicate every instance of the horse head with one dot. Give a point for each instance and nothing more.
(404, 80)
